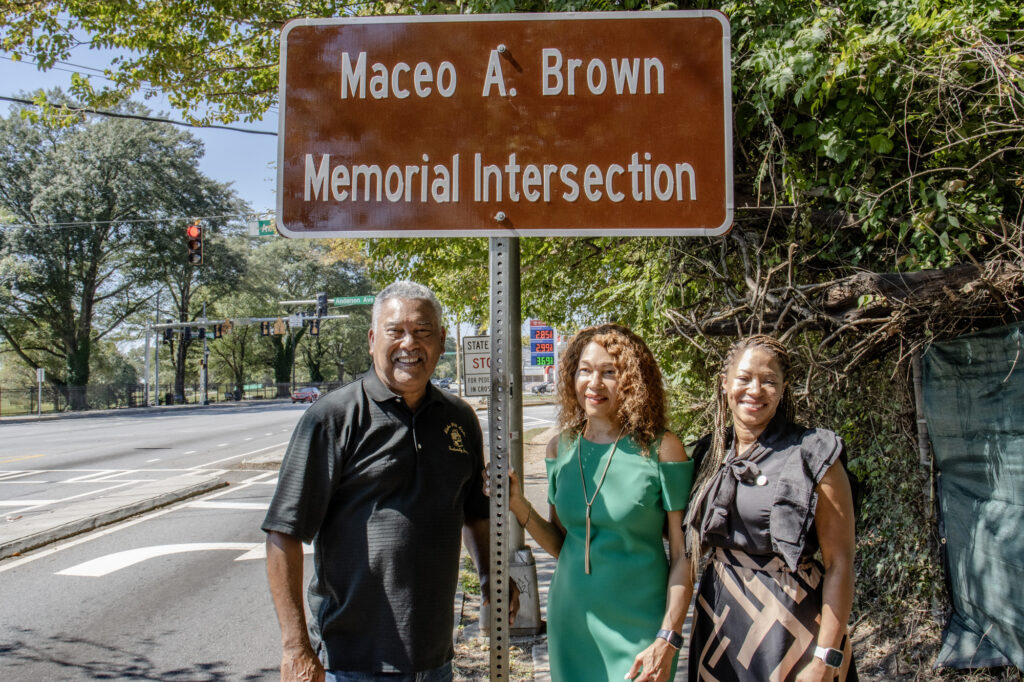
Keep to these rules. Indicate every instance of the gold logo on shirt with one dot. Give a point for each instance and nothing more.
(457, 437)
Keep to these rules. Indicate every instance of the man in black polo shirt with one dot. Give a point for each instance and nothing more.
(382, 476)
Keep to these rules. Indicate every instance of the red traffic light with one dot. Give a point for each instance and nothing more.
(194, 232)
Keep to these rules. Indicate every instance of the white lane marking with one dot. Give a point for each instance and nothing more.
(248, 439)
(24, 503)
(150, 461)
(244, 454)
(7, 565)
(229, 505)
(23, 481)
(8, 475)
(86, 477)
(268, 434)
(106, 565)
(220, 445)
(116, 475)
(191, 452)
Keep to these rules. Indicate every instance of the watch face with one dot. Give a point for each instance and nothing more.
(834, 658)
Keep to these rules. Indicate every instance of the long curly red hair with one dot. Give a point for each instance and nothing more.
(641, 410)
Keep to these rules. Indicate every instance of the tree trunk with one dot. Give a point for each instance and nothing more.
(284, 354)
(77, 363)
(180, 353)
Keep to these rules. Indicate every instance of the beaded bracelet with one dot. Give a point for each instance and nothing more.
(528, 517)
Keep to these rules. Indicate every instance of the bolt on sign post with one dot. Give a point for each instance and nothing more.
(506, 126)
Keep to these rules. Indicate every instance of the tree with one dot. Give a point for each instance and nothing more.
(92, 232)
(234, 353)
(298, 270)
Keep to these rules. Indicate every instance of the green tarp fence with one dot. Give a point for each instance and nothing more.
(974, 408)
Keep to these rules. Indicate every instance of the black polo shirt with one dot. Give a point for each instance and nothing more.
(382, 493)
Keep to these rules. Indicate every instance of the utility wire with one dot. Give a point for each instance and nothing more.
(99, 73)
(172, 220)
(138, 117)
(150, 89)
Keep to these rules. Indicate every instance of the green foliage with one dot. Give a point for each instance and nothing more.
(92, 234)
(897, 553)
(903, 115)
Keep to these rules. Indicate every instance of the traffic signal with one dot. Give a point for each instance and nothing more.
(314, 327)
(202, 332)
(321, 304)
(168, 333)
(194, 237)
(218, 331)
(187, 332)
(264, 328)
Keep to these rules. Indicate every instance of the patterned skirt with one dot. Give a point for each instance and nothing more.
(756, 620)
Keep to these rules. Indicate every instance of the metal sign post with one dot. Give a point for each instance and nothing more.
(204, 376)
(145, 384)
(40, 378)
(505, 435)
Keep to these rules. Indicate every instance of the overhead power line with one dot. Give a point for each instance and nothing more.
(171, 220)
(138, 117)
(82, 70)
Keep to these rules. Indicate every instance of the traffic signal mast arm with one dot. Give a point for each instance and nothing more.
(233, 321)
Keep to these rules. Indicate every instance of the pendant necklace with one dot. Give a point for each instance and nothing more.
(590, 501)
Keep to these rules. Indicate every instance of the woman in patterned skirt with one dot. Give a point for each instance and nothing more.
(768, 495)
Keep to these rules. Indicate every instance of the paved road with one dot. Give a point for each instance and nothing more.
(60, 477)
(176, 594)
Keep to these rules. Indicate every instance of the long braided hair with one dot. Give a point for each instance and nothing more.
(715, 456)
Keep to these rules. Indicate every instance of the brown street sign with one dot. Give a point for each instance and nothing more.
(613, 123)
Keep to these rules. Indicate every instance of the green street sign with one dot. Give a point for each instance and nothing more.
(352, 300)
(262, 228)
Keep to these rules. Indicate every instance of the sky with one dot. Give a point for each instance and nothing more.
(246, 161)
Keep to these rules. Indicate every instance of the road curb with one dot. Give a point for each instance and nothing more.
(34, 541)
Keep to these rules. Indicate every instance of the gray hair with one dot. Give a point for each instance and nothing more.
(408, 290)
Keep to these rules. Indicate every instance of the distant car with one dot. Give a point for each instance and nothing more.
(306, 394)
(444, 383)
(543, 387)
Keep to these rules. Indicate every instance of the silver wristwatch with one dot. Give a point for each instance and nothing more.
(833, 657)
(674, 639)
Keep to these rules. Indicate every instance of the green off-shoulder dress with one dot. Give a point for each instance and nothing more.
(598, 623)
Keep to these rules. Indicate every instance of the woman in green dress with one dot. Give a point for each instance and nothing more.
(617, 482)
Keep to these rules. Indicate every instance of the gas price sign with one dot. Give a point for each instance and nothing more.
(542, 344)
